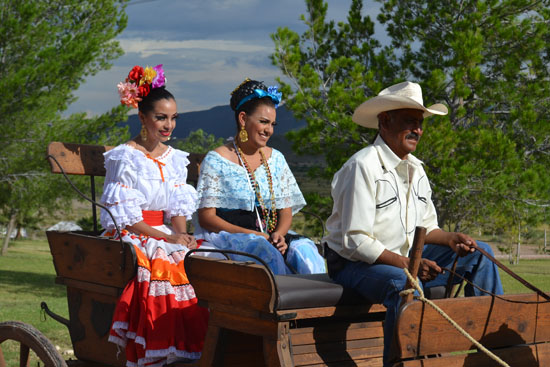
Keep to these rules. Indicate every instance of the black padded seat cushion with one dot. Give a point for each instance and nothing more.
(313, 290)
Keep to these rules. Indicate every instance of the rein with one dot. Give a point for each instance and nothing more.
(505, 269)
(514, 275)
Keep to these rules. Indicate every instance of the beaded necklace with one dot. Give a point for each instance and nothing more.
(269, 216)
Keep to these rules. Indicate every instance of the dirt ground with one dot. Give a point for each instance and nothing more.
(527, 251)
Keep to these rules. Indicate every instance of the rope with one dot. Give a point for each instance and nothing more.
(422, 298)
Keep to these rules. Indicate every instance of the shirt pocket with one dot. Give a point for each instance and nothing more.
(386, 195)
(422, 190)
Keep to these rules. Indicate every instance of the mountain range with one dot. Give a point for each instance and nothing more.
(220, 122)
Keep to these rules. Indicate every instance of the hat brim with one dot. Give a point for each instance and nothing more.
(367, 113)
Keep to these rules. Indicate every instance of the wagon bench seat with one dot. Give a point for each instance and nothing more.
(313, 290)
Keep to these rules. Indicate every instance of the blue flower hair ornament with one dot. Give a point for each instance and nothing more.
(260, 93)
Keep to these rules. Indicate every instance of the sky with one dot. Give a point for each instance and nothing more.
(207, 47)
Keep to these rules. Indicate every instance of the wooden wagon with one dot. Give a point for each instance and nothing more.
(258, 319)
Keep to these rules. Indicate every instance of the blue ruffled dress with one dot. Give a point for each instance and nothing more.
(224, 185)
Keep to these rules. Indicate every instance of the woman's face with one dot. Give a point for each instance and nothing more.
(161, 120)
(259, 125)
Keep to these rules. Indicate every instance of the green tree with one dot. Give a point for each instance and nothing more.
(332, 67)
(198, 141)
(47, 49)
(487, 60)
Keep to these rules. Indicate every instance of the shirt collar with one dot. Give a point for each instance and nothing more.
(388, 158)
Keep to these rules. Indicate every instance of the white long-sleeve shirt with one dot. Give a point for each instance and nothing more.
(379, 200)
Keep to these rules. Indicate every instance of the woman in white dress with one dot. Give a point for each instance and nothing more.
(157, 318)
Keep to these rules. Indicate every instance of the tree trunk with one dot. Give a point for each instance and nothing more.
(11, 226)
(519, 244)
(18, 234)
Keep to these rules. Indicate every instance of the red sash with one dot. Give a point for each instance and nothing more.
(153, 217)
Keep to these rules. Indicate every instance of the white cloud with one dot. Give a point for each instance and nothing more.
(227, 4)
(148, 47)
(207, 47)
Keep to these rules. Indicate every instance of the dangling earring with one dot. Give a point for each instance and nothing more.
(143, 133)
(243, 135)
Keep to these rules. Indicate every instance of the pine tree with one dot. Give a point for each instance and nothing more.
(486, 60)
(47, 49)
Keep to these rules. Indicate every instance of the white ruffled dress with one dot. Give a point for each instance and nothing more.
(157, 317)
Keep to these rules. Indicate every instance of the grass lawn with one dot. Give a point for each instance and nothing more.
(536, 272)
(27, 278)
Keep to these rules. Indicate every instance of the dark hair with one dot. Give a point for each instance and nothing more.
(155, 95)
(245, 89)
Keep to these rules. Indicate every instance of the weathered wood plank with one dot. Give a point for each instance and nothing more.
(243, 324)
(78, 159)
(90, 317)
(336, 357)
(92, 259)
(323, 335)
(524, 356)
(84, 159)
(231, 283)
(87, 286)
(337, 325)
(371, 362)
(337, 345)
(310, 313)
(496, 323)
(543, 319)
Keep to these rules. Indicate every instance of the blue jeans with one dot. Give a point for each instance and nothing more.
(380, 283)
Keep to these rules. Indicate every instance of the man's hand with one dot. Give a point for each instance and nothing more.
(461, 243)
(428, 270)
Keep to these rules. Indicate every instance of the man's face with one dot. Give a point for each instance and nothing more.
(401, 130)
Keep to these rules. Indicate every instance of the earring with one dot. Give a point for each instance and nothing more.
(143, 133)
(243, 135)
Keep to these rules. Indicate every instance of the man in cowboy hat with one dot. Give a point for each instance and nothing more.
(380, 195)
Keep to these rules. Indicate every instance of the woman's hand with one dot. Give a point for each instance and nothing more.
(183, 239)
(278, 241)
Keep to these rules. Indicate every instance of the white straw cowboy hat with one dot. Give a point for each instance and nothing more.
(398, 96)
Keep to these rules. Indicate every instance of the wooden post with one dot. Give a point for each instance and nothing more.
(2, 360)
(545, 240)
(415, 256)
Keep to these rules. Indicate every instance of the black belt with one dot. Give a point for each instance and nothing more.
(335, 262)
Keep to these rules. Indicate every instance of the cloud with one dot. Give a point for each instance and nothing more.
(207, 47)
(149, 47)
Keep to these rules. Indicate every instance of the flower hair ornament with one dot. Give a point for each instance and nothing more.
(260, 93)
(139, 83)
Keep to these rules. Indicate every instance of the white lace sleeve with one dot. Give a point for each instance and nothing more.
(119, 193)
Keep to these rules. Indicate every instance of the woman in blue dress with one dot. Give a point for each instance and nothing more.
(247, 193)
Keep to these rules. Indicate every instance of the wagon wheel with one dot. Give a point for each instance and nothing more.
(29, 338)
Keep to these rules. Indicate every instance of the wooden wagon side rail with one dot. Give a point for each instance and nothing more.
(517, 332)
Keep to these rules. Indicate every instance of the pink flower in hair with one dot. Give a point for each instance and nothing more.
(129, 94)
(159, 79)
